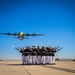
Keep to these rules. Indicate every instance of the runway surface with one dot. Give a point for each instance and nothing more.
(15, 68)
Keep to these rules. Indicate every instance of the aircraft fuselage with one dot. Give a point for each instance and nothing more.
(20, 37)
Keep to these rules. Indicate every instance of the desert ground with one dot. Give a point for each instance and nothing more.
(15, 68)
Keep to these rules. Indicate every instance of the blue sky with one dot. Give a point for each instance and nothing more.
(54, 18)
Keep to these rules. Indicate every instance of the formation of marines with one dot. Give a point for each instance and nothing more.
(33, 55)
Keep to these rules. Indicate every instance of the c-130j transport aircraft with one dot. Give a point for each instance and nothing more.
(21, 35)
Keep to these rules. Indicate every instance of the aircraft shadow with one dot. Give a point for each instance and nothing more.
(13, 64)
(20, 65)
(52, 67)
(59, 68)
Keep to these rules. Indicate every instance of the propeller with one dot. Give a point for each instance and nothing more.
(27, 34)
(8, 33)
(14, 34)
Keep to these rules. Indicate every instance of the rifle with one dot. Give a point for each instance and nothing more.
(59, 49)
(19, 49)
(56, 47)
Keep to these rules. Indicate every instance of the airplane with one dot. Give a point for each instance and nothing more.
(21, 35)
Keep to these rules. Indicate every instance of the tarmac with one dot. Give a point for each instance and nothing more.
(15, 68)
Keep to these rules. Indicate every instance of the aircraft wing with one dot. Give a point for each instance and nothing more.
(33, 34)
(13, 34)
